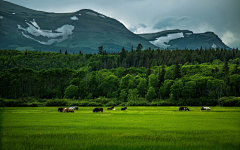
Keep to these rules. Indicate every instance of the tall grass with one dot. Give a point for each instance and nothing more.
(136, 128)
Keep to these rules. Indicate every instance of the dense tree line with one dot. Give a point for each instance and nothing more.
(37, 60)
(193, 80)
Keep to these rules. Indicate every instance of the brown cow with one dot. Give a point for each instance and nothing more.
(68, 110)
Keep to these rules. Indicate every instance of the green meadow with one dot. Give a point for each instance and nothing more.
(32, 128)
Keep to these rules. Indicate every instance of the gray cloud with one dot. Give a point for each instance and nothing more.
(137, 27)
(169, 22)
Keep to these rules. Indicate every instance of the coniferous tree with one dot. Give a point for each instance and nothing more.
(122, 54)
(162, 73)
(159, 77)
(148, 71)
(176, 71)
(226, 69)
(100, 50)
(60, 52)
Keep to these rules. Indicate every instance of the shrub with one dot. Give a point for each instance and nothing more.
(102, 100)
(88, 103)
(111, 103)
(161, 103)
(56, 102)
(229, 101)
(138, 103)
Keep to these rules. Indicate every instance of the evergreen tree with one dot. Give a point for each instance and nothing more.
(176, 71)
(122, 54)
(66, 52)
(148, 71)
(100, 50)
(225, 69)
(162, 74)
(139, 47)
(60, 52)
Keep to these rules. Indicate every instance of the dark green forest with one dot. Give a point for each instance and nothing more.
(135, 77)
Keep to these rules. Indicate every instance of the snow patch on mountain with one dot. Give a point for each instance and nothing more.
(102, 16)
(214, 45)
(1, 17)
(35, 24)
(34, 32)
(188, 33)
(163, 40)
(91, 14)
(74, 18)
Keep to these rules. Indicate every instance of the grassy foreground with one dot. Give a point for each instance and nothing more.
(136, 128)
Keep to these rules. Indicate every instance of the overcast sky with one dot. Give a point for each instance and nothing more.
(145, 16)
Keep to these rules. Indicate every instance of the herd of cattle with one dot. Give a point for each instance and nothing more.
(95, 109)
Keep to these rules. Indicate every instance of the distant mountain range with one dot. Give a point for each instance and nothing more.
(181, 39)
(85, 30)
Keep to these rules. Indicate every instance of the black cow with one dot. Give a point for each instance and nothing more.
(183, 108)
(60, 109)
(110, 108)
(97, 109)
(124, 108)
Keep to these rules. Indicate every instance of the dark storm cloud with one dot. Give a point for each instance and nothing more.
(220, 16)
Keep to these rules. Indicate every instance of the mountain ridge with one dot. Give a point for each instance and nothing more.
(85, 30)
(188, 39)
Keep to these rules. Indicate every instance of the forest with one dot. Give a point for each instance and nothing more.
(128, 78)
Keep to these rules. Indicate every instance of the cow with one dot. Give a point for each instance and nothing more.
(60, 109)
(205, 108)
(124, 108)
(68, 109)
(74, 107)
(97, 109)
(111, 108)
(183, 108)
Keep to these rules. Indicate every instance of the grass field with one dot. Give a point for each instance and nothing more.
(136, 128)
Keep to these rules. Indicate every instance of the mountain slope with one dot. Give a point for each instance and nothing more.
(181, 39)
(22, 28)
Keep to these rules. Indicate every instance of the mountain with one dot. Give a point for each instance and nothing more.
(181, 39)
(86, 30)
(22, 28)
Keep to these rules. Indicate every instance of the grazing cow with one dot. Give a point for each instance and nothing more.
(183, 108)
(124, 108)
(68, 109)
(205, 108)
(97, 109)
(111, 108)
(74, 107)
(60, 109)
